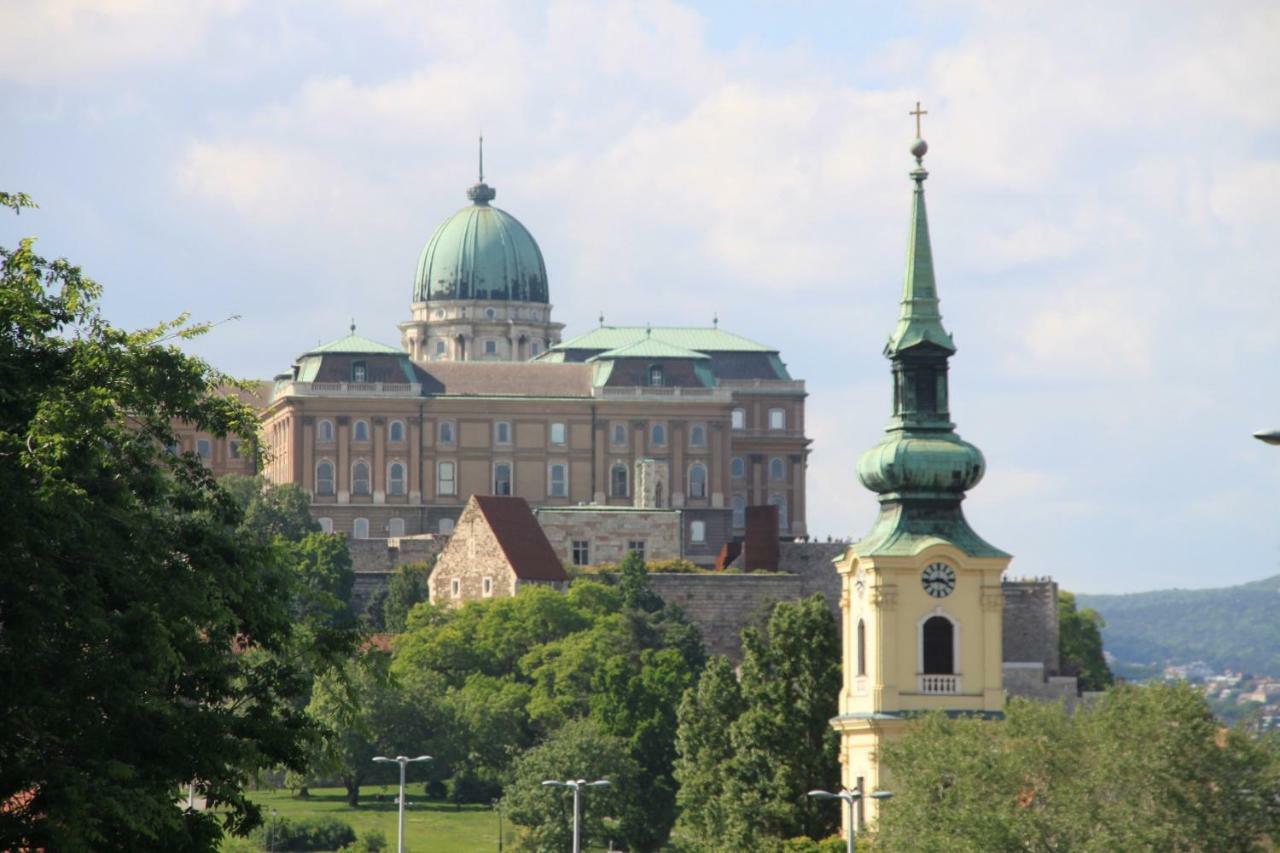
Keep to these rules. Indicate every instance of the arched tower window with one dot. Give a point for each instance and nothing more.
(360, 478)
(324, 478)
(395, 431)
(938, 637)
(361, 431)
(862, 647)
(395, 479)
(697, 480)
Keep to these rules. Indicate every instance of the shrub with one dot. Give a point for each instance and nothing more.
(435, 790)
(472, 787)
(373, 841)
(323, 833)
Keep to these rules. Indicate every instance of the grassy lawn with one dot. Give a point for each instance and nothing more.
(430, 827)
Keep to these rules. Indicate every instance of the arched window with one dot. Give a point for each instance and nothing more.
(697, 436)
(655, 375)
(395, 479)
(325, 429)
(618, 480)
(440, 349)
(360, 528)
(658, 434)
(697, 480)
(938, 637)
(395, 431)
(502, 478)
(361, 431)
(446, 432)
(697, 531)
(862, 647)
(738, 468)
(777, 469)
(620, 434)
(780, 501)
(360, 478)
(395, 528)
(324, 478)
(738, 419)
(326, 525)
(444, 526)
(446, 484)
(739, 511)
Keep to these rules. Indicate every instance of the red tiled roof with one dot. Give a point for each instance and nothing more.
(521, 538)
(506, 379)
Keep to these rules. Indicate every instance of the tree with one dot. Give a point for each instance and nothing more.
(1080, 643)
(408, 587)
(131, 607)
(780, 744)
(271, 510)
(578, 750)
(706, 715)
(1143, 768)
(636, 591)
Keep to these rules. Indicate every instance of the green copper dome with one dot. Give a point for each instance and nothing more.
(481, 252)
(921, 465)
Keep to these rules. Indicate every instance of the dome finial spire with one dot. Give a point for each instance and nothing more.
(353, 325)
(481, 193)
(919, 148)
(482, 155)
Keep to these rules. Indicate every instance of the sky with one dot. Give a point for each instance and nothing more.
(1102, 198)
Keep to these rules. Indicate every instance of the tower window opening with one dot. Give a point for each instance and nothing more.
(938, 637)
(862, 647)
(655, 375)
(359, 372)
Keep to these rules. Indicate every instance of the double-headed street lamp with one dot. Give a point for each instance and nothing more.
(850, 797)
(577, 785)
(403, 761)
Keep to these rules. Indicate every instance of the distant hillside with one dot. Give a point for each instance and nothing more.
(1235, 627)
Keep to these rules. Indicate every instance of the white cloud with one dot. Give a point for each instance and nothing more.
(76, 39)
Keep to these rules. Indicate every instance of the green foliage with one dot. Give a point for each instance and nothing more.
(1229, 628)
(1080, 644)
(144, 638)
(1143, 768)
(634, 579)
(578, 750)
(408, 587)
(749, 752)
(271, 510)
(317, 833)
(371, 841)
(513, 671)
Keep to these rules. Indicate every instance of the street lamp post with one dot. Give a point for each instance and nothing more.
(577, 785)
(403, 761)
(852, 798)
(1270, 436)
(497, 805)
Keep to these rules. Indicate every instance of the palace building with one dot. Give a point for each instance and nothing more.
(484, 397)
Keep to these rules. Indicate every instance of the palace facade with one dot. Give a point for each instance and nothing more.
(484, 397)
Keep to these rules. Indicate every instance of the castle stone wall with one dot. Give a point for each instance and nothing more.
(609, 530)
(1031, 622)
(374, 561)
(721, 605)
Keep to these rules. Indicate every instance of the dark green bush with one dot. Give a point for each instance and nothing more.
(435, 790)
(322, 833)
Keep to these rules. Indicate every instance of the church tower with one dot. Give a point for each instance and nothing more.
(921, 598)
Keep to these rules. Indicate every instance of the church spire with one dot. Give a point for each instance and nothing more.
(481, 193)
(920, 320)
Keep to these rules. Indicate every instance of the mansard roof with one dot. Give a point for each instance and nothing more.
(505, 379)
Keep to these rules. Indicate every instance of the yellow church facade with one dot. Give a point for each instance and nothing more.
(921, 593)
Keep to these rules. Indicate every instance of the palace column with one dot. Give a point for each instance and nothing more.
(344, 459)
(379, 484)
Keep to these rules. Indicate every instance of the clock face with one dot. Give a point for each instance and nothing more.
(938, 579)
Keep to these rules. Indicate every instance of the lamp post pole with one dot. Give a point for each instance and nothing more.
(852, 798)
(577, 785)
(403, 761)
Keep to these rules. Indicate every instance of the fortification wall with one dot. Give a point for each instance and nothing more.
(374, 561)
(721, 605)
(1031, 622)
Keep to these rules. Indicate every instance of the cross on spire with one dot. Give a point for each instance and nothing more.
(917, 112)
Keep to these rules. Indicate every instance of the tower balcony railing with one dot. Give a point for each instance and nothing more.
(763, 386)
(939, 685)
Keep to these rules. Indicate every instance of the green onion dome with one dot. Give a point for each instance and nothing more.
(926, 465)
(481, 252)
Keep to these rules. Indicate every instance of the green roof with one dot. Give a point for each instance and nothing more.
(648, 347)
(920, 321)
(697, 338)
(354, 343)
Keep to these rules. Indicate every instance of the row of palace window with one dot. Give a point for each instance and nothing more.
(446, 431)
(360, 431)
(777, 468)
(488, 346)
(204, 448)
(360, 481)
(395, 527)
